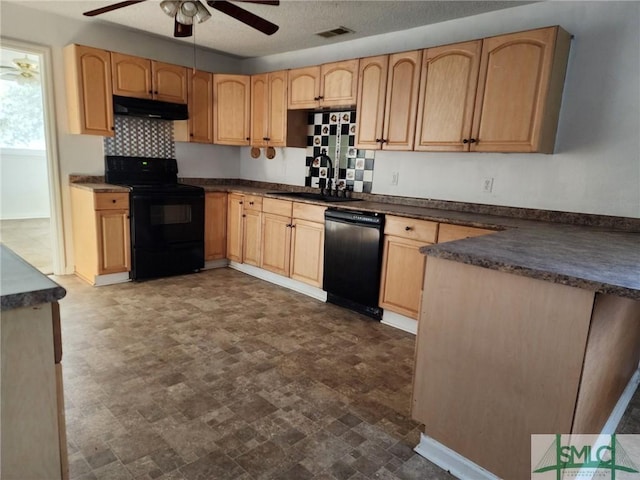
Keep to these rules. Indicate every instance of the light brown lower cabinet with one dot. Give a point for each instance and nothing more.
(101, 235)
(32, 399)
(252, 230)
(403, 264)
(215, 225)
(293, 240)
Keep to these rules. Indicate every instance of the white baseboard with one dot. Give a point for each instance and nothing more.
(396, 320)
(111, 278)
(216, 264)
(285, 282)
(459, 466)
(623, 402)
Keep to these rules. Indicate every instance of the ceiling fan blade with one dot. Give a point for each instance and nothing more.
(244, 16)
(181, 30)
(115, 6)
(275, 3)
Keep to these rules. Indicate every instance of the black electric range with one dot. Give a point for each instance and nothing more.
(166, 217)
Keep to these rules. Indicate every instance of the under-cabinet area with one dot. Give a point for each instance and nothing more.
(497, 94)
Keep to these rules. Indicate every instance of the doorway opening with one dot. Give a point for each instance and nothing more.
(30, 206)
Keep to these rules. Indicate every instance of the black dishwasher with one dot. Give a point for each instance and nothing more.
(352, 260)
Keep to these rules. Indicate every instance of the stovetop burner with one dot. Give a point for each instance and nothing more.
(145, 174)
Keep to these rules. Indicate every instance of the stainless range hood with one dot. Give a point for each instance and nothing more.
(153, 109)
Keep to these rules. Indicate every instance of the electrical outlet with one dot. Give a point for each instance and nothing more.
(394, 178)
(487, 185)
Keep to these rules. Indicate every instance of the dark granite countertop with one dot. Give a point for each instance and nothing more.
(21, 285)
(604, 257)
(583, 257)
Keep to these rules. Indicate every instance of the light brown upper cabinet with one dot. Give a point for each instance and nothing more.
(400, 85)
(329, 85)
(231, 109)
(520, 90)
(269, 109)
(201, 107)
(88, 82)
(144, 78)
(448, 84)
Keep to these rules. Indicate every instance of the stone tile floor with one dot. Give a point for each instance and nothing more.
(219, 375)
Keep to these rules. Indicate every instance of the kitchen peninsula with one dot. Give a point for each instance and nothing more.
(33, 427)
(527, 331)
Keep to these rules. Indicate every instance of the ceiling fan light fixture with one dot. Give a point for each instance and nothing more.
(170, 7)
(202, 13)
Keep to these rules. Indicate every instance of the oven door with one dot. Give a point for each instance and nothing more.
(167, 234)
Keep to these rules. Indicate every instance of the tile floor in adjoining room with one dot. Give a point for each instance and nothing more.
(220, 376)
(30, 238)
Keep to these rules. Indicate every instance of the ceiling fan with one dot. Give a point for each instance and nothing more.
(25, 70)
(186, 11)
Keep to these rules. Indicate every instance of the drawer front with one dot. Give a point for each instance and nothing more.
(449, 233)
(111, 201)
(252, 202)
(306, 211)
(277, 207)
(411, 228)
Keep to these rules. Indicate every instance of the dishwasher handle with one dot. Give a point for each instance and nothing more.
(354, 217)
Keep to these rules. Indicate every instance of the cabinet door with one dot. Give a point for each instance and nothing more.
(235, 227)
(277, 111)
(304, 87)
(402, 276)
(371, 100)
(259, 109)
(131, 76)
(113, 241)
(447, 95)
(401, 100)
(215, 225)
(169, 82)
(88, 81)
(232, 109)
(276, 243)
(201, 107)
(307, 252)
(252, 237)
(339, 83)
(513, 112)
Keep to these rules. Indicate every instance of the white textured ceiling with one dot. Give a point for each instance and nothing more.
(299, 20)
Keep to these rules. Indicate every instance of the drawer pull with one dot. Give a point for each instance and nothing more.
(408, 228)
(113, 201)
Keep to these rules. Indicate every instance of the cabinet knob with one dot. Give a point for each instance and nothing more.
(248, 138)
(113, 128)
(472, 140)
(293, 226)
(113, 201)
(408, 228)
(191, 134)
(383, 140)
(156, 92)
(320, 97)
(465, 141)
(316, 98)
(243, 215)
(378, 140)
(250, 203)
(240, 203)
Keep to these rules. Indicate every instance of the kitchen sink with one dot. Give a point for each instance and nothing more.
(315, 196)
